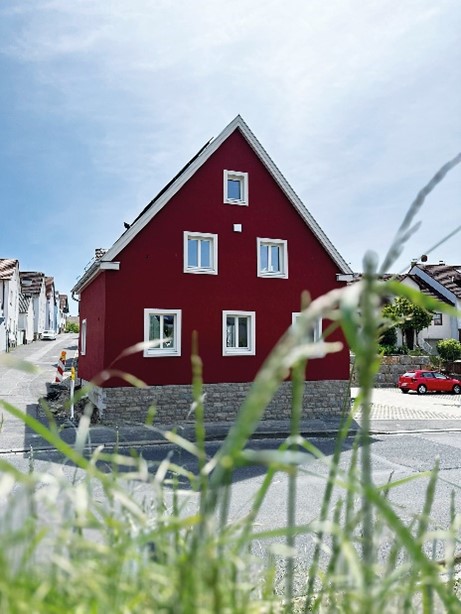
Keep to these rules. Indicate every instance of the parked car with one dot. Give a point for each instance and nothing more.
(421, 381)
(49, 335)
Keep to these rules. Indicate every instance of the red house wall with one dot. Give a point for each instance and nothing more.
(151, 276)
(92, 308)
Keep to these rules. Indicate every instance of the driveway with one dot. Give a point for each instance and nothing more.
(393, 411)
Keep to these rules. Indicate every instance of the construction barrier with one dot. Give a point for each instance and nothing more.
(60, 369)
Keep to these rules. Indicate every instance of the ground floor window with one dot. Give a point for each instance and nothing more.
(239, 333)
(162, 332)
(83, 338)
(314, 333)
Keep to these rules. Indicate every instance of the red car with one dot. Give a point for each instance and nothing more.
(428, 381)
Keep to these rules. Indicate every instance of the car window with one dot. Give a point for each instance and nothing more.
(440, 376)
(409, 374)
(427, 374)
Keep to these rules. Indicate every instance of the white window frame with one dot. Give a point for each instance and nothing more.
(251, 334)
(155, 351)
(207, 236)
(317, 328)
(243, 179)
(83, 338)
(282, 244)
(437, 319)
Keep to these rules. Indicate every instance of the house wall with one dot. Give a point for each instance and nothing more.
(172, 404)
(39, 312)
(9, 296)
(26, 324)
(433, 333)
(92, 309)
(151, 276)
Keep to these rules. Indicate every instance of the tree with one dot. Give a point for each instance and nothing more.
(410, 318)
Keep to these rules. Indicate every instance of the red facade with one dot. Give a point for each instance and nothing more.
(151, 276)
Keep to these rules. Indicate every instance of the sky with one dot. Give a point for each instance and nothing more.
(102, 103)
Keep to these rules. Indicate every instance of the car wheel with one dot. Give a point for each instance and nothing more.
(421, 389)
(457, 389)
(404, 390)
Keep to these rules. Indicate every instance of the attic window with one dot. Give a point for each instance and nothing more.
(235, 188)
(272, 258)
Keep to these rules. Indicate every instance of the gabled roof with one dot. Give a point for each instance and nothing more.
(165, 195)
(49, 285)
(424, 286)
(441, 275)
(31, 282)
(7, 267)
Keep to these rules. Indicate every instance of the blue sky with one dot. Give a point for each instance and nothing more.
(101, 103)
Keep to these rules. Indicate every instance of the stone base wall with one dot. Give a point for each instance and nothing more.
(393, 366)
(222, 402)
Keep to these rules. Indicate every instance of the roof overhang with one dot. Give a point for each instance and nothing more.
(92, 272)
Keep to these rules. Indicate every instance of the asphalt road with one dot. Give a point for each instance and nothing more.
(410, 433)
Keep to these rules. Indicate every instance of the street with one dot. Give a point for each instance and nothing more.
(409, 433)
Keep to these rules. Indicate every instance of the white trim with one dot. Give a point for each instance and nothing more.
(213, 269)
(281, 243)
(109, 266)
(247, 351)
(317, 327)
(83, 332)
(192, 168)
(242, 178)
(157, 351)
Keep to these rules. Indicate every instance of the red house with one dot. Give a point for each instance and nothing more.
(226, 249)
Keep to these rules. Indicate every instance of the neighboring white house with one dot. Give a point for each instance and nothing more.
(63, 312)
(52, 305)
(33, 284)
(444, 283)
(9, 303)
(26, 319)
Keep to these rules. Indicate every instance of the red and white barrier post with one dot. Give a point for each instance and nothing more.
(60, 369)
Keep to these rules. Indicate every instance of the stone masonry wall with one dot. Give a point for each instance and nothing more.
(222, 401)
(392, 367)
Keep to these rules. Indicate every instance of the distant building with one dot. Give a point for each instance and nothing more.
(10, 289)
(33, 285)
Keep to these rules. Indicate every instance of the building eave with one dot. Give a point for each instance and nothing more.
(93, 271)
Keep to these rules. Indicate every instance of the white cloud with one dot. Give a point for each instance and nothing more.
(358, 103)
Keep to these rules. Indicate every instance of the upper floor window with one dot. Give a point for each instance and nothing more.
(239, 333)
(272, 258)
(200, 253)
(437, 319)
(162, 329)
(235, 188)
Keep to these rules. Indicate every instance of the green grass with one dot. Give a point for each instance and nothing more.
(129, 541)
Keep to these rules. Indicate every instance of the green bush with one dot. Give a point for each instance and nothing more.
(387, 350)
(449, 349)
(417, 352)
(72, 327)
